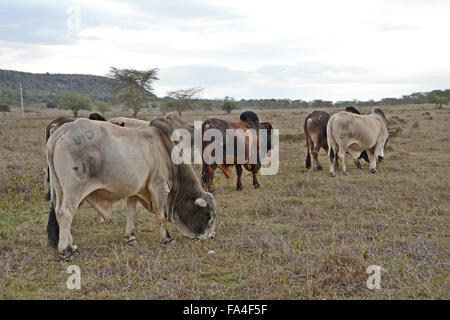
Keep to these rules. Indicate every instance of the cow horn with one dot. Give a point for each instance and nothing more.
(200, 202)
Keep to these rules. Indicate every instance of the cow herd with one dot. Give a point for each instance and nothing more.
(101, 162)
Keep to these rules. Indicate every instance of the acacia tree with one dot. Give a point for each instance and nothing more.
(437, 99)
(133, 87)
(102, 107)
(181, 99)
(229, 104)
(76, 102)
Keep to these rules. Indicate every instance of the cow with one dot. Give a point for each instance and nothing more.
(315, 128)
(129, 122)
(96, 116)
(353, 133)
(248, 120)
(102, 163)
(55, 124)
(172, 117)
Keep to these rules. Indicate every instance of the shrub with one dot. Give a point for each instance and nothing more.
(52, 105)
(4, 108)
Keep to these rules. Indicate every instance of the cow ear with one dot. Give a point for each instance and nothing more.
(200, 202)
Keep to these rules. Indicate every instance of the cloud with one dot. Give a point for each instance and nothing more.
(298, 49)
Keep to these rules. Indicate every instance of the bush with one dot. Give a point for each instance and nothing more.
(52, 105)
(4, 108)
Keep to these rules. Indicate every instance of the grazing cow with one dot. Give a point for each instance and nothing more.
(55, 124)
(96, 116)
(129, 122)
(353, 133)
(248, 120)
(315, 128)
(102, 163)
(172, 117)
(178, 122)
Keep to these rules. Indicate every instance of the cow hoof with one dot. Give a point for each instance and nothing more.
(318, 169)
(332, 174)
(67, 254)
(344, 173)
(359, 167)
(131, 242)
(171, 240)
(239, 188)
(257, 186)
(373, 170)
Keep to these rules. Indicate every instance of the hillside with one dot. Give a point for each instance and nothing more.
(40, 87)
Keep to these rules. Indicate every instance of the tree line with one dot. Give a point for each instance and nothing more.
(133, 89)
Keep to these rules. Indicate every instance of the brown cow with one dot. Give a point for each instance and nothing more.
(248, 120)
(315, 128)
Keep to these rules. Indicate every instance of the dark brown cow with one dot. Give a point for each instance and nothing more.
(55, 124)
(248, 120)
(315, 128)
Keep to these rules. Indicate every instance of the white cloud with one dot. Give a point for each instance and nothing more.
(296, 49)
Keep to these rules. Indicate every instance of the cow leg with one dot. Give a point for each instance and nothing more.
(131, 218)
(311, 149)
(159, 195)
(372, 161)
(66, 248)
(255, 178)
(239, 175)
(355, 155)
(341, 155)
(210, 178)
(315, 154)
(334, 160)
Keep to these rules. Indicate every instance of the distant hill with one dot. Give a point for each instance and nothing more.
(41, 87)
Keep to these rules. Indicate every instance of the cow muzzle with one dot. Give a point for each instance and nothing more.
(209, 232)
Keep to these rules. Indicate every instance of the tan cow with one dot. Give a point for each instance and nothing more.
(353, 133)
(102, 163)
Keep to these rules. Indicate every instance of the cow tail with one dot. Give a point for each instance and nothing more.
(205, 126)
(53, 227)
(308, 156)
(330, 140)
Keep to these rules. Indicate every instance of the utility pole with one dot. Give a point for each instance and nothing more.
(21, 100)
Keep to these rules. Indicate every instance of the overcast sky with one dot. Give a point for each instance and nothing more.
(322, 49)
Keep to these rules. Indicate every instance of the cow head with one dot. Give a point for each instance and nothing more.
(197, 217)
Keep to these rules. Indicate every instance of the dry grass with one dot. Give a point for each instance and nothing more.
(303, 235)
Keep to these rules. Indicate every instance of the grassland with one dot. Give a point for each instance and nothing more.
(303, 235)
